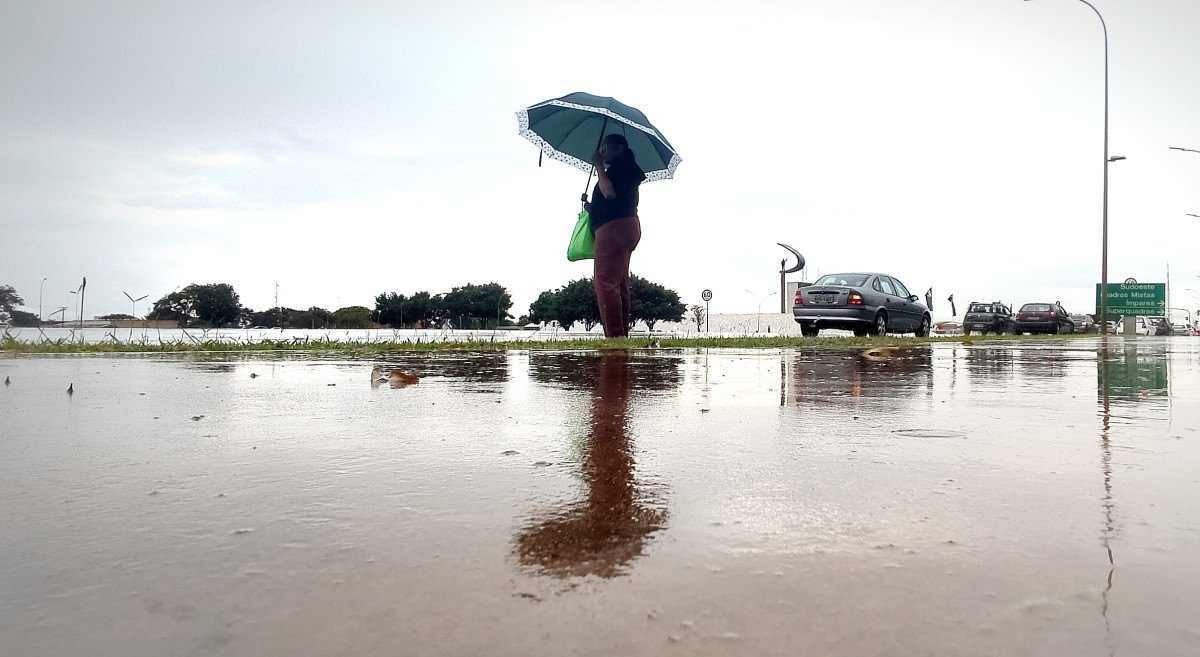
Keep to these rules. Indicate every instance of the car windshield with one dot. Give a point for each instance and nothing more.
(848, 280)
(980, 308)
(1036, 308)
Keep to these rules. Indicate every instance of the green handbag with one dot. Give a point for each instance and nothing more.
(583, 241)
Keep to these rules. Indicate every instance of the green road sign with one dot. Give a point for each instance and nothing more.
(1135, 298)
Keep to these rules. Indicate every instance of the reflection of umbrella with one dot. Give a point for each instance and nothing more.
(569, 129)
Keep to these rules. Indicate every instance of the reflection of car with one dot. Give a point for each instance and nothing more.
(1083, 323)
(888, 374)
(947, 328)
(987, 318)
(1043, 318)
(868, 304)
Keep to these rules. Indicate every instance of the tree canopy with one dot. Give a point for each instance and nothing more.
(9, 300)
(576, 302)
(352, 317)
(653, 303)
(468, 306)
(210, 304)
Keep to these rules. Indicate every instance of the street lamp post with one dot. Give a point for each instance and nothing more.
(1107, 161)
(758, 320)
(41, 291)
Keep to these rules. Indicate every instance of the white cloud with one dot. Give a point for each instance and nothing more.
(352, 150)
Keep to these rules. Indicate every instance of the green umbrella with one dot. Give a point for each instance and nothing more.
(569, 129)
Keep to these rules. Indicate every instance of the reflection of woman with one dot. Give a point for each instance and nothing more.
(618, 230)
(608, 528)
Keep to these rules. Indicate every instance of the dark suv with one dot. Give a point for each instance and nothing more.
(985, 318)
(1043, 318)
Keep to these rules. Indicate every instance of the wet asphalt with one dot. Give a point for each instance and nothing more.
(1012, 498)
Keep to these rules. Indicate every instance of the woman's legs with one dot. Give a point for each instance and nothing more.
(615, 242)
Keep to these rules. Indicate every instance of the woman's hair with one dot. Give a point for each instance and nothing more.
(617, 139)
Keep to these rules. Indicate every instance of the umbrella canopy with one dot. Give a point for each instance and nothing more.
(569, 129)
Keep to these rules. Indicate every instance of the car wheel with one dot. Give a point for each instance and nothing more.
(880, 328)
(809, 330)
(923, 329)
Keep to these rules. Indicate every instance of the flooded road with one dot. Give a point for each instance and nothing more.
(1006, 499)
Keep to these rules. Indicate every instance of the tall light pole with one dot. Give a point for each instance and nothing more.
(758, 322)
(1107, 161)
(41, 290)
(134, 301)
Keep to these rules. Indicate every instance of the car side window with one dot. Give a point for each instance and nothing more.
(900, 289)
(887, 286)
(875, 284)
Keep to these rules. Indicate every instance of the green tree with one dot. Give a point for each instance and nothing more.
(216, 304)
(352, 317)
(545, 308)
(426, 308)
(488, 303)
(9, 298)
(211, 304)
(20, 318)
(652, 303)
(576, 302)
(176, 306)
(389, 309)
(116, 316)
(317, 318)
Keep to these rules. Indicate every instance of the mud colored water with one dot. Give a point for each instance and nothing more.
(1017, 499)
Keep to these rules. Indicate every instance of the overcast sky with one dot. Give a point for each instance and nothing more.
(364, 147)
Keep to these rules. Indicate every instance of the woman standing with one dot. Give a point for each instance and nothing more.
(618, 230)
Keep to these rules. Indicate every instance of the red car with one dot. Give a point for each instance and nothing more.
(1043, 318)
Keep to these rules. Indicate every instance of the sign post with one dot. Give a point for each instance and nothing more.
(707, 296)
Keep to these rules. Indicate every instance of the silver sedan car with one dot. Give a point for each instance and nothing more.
(868, 304)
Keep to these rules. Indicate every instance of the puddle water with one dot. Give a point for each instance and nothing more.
(990, 499)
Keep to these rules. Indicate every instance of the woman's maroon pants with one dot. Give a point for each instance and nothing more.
(615, 242)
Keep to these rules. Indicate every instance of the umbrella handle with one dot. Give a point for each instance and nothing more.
(586, 186)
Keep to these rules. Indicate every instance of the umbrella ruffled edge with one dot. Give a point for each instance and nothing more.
(525, 131)
(667, 173)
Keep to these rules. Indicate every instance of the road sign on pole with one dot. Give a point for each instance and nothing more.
(706, 295)
(1133, 299)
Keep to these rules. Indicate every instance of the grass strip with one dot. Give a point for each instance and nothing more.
(10, 345)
